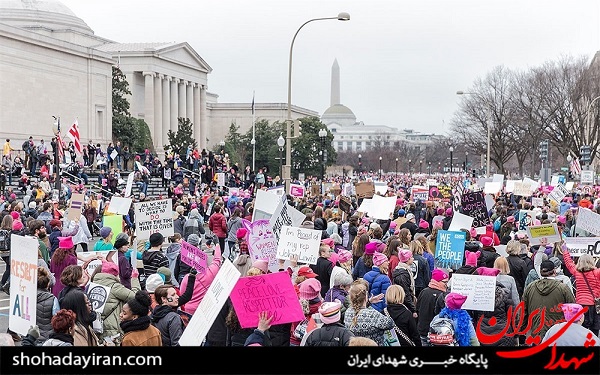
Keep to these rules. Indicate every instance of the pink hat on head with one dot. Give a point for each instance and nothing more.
(486, 241)
(473, 232)
(329, 242)
(486, 271)
(537, 222)
(379, 259)
(65, 242)
(440, 211)
(439, 274)
(510, 219)
(570, 310)
(370, 248)
(404, 255)
(110, 268)
(562, 219)
(454, 301)
(330, 312)
(261, 264)
(471, 258)
(17, 225)
(14, 214)
(438, 224)
(334, 258)
(344, 256)
(309, 289)
(423, 224)
(449, 212)
(393, 225)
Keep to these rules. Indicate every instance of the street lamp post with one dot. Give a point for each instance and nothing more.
(420, 166)
(380, 167)
(280, 143)
(466, 160)
(359, 163)
(396, 168)
(343, 16)
(322, 136)
(429, 168)
(489, 136)
(451, 151)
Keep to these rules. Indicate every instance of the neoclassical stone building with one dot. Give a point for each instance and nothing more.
(52, 64)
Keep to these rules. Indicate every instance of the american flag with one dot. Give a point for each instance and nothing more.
(73, 133)
(575, 166)
(252, 102)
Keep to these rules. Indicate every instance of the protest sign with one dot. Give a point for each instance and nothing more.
(154, 217)
(489, 202)
(23, 283)
(498, 178)
(547, 233)
(589, 221)
(217, 294)
(301, 242)
(315, 190)
(569, 185)
(460, 221)
(194, 257)
(220, 179)
(265, 204)
(129, 185)
(521, 188)
(345, 204)
(75, 206)
(382, 207)
(285, 215)
(457, 194)
(473, 204)
(277, 190)
(480, 291)
(89, 259)
(364, 189)
(381, 187)
(492, 187)
(115, 223)
(297, 190)
(449, 249)
(419, 192)
(336, 190)
(533, 184)
(559, 192)
(273, 293)
(114, 154)
(365, 205)
(583, 245)
(510, 186)
(119, 205)
(537, 202)
(445, 192)
(262, 243)
(98, 295)
(526, 218)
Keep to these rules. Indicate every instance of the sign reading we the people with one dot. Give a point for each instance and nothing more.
(272, 292)
(23, 283)
(154, 217)
(449, 249)
(301, 242)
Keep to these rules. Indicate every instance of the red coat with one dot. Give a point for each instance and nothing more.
(583, 295)
(218, 225)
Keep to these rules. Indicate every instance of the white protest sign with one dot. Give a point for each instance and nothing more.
(365, 205)
(489, 202)
(589, 221)
(554, 180)
(533, 185)
(480, 291)
(492, 187)
(582, 245)
(510, 185)
(498, 178)
(114, 154)
(537, 202)
(98, 295)
(23, 283)
(522, 189)
(278, 190)
(558, 193)
(301, 242)
(549, 232)
(220, 179)
(285, 215)
(154, 217)
(569, 186)
(382, 207)
(265, 205)
(129, 185)
(460, 221)
(501, 249)
(91, 256)
(75, 206)
(587, 177)
(210, 306)
(380, 187)
(119, 205)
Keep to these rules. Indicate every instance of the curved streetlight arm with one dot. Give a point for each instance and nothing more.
(589, 129)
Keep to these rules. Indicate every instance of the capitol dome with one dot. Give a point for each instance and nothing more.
(36, 14)
(338, 114)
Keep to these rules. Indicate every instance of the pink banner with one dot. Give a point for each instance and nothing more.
(296, 190)
(194, 257)
(272, 292)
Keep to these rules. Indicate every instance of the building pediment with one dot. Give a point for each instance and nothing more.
(183, 53)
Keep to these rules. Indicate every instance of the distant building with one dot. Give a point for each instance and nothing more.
(355, 136)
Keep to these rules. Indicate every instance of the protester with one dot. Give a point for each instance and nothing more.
(463, 331)
(365, 321)
(406, 326)
(332, 332)
(136, 322)
(63, 328)
(64, 256)
(79, 303)
(575, 334)
(165, 317)
(587, 283)
(428, 301)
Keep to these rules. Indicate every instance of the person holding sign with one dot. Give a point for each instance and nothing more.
(165, 317)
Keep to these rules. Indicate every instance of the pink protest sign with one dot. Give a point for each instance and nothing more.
(272, 292)
(194, 257)
(296, 190)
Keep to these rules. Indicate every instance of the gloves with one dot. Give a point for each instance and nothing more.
(34, 331)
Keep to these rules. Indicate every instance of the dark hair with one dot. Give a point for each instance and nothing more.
(63, 321)
(140, 304)
(43, 280)
(160, 292)
(71, 275)
(75, 301)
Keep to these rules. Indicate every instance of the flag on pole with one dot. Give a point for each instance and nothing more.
(252, 103)
(575, 166)
(59, 144)
(73, 133)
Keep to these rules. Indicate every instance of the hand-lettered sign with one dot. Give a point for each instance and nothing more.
(299, 241)
(154, 217)
(473, 204)
(23, 283)
(364, 189)
(480, 291)
(194, 257)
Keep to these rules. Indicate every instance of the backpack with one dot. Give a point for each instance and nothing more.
(497, 224)
(441, 332)
(4, 240)
(190, 227)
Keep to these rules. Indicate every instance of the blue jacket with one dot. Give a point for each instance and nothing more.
(378, 284)
(359, 269)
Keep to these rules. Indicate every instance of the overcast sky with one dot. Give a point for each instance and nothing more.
(401, 61)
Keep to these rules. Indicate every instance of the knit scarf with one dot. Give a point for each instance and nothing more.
(138, 324)
(64, 337)
(434, 284)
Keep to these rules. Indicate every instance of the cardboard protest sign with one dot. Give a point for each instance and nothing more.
(297, 190)
(345, 204)
(98, 295)
(449, 249)
(460, 221)
(315, 190)
(285, 215)
(365, 189)
(537, 233)
(262, 243)
(273, 292)
(154, 217)
(217, 294)
(23, 283)
(75, 206)
(589, 221)
(473, 204)
(119, 205)
(194, 257)
(114, 222)
(521, 188)
(301, 242)
(480, 291)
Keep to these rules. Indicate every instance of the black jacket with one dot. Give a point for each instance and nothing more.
(401, 276)
(426, 308)
(335, 334)
(404, 320)
(518, 270)
(323, 269)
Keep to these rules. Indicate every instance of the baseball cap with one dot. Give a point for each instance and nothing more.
(307, 272)
(410, 216)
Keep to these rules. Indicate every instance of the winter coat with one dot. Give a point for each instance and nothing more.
(125, 270)
(378, 284)
(422, 274)
(117, 297)
(243, 262)
(403, 318)
(502, 303)
(172, 253)
(403, 277)
(518, 270)
(202, 283)
(44, 309)
(369, 323)
(509, 283)
(323, 270)
(233, 225)
(180, 269)
(178, 224)
(545, 294)
(153, 260)
(169, 324)
(218, 225)
(488, 256)
(426, 308)
(584, 296)
(359, 269)
(335, 334)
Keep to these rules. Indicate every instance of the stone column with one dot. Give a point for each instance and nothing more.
(189, 97)
(182, 101)
(204, 135)
(166, 108)
(197, 132)
(158, 115)
(174, 103)
(149, 102)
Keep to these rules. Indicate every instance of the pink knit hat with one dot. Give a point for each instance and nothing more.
(334, 257)
(309, 289)
(370, 248)
(330, 312)
(486, 241)
(15, 215)
(439, 274)
(486, 271)
(404, 255)
(454, 301)
(110, 268)
(393, 225)
(562, 219)
(471, 258)
(17, 225)
(329, 242)
(344, 256)
(261, 264)
(423, 224)
(379, 259)
(570, 309)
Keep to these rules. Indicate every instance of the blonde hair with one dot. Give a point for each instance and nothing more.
(358, 299)
(416, 247)
(253, 271)
(361, 341)
(502, 264)
(395, 294)
(513, 247)
(585, 263)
